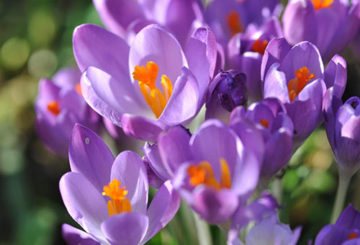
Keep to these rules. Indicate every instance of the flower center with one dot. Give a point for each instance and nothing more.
(53, 107)
(264, 123)
(295, 85)
(352, 235)
(319, 4)
(146, 75)
(259, 46)
(118, 202)
(234, 23)
(78, 89)
(203, 174)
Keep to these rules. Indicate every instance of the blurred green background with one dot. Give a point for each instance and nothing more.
(35, 41)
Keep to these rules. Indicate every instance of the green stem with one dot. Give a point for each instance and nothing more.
(203, 230)
(344, 180)
(277, 189)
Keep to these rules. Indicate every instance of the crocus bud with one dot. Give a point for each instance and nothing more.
(227, 91)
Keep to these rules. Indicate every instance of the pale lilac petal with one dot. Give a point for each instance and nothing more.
(125, 228)
(336, 75)
(89, 155)
(162, 209)
(83, 202)
(129, 169)
(74, 236)
(275, 84)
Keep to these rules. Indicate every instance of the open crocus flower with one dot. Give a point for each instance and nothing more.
(58, 107)
(148, 86)
(109, 198)
(245, 52)
(329, 24)
(295, 75)
(125, 17)
(215, 171)
(229, 17)
(276, 127)
(346, 230)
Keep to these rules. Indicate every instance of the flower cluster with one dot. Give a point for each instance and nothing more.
(153, 71)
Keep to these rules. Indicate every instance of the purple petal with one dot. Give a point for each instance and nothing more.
(125, 228)
(336, 75)
(129, 169)
(117, 15)
(155, 162)
(299, 22)
(174, 148)
(184, 102)
(84, 202)
(162, 209)
(349, 218)
(214, 206)
(67, 77)
(141, 127)
(74, 236)
(275, 84)
(89, 156)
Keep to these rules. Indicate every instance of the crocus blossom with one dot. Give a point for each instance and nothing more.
(345, 231)
(109, 197)
(124, 83)
(58, 107)
(329, 24)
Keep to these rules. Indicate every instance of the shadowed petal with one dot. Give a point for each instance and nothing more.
(74, 236)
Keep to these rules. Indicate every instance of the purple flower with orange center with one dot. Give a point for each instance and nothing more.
(268, 117)
(229, 17)
(245, 52)
(346, 230)
(214, 170)
(58, 107)
(329, 24)
(127, 17)
(295, 75)
(108, 197)
(149, 86)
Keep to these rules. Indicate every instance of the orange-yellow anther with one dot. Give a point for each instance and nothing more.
(118, 202)
(295, 85)
(352, 235)
(319, 4)
(259, 46)
(264, 123)
(78, 88)
(54, 107)
(234, 23)
(203, 174)
(156, 99)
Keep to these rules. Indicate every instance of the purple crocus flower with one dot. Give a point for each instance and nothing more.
(58, 107)
(329, 24)
(295, 75)
(124, 17)
(245, 52)
(109, 197)
(342, 122)
(229, 17)
(215, 170)
(123, 83)
(345, 231)
(276, 127)
(226, 91)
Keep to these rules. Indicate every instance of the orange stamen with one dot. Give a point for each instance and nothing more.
(54, 107)
(118, 202)
(264, 123)
(319, 4)
(295, 85)
(352, 235)
(203, 174)
(78, 88)
(259, 46)
(147, 75)
(234, 23)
